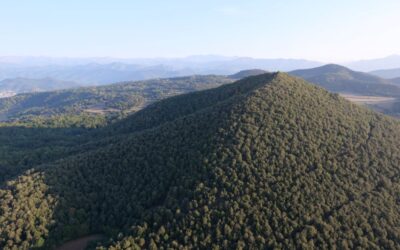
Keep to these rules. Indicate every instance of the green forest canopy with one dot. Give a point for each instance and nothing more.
(266, 162)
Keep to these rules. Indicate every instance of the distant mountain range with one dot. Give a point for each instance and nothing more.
(25, 85)
(97, 71)
(91, 74)
(197, 62)
(389, 62)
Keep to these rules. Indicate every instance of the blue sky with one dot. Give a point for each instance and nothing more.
(321, 30)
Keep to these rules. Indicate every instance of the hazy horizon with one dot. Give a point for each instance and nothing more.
(192, 56)
(339, 31)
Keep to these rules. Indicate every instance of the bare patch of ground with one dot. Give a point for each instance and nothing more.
(79, 244)
(368, 99)
(99, 109)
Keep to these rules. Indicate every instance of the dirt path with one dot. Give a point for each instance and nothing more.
(79, 244)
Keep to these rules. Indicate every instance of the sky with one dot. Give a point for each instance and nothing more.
(340, 30)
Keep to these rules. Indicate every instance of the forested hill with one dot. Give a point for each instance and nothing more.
(337, 78)
(96, 103)
(266, 162)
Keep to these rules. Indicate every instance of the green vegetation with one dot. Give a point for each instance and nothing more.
(34, 131)
(104, 100)
(267, 162)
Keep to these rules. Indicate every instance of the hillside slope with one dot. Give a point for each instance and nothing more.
(267, 162)
(337, 78)
(103, 100)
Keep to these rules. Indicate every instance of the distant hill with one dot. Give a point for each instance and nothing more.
(389, 62)
(24, 85)
(337, 78)
(243, 63)
(387, 73)
(268, 162)
(104, 100)
(395, 80)
(247, 73)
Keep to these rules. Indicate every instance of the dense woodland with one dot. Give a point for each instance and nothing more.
(268, 162)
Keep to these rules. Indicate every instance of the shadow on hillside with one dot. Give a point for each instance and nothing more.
(22, 148)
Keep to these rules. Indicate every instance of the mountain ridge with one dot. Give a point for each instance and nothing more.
(388, 62)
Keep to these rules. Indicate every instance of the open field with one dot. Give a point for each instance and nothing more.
(368, 99)
(382, 104)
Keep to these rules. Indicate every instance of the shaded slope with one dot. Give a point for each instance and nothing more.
(178, 106)
(337, 78)
(278, 163)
